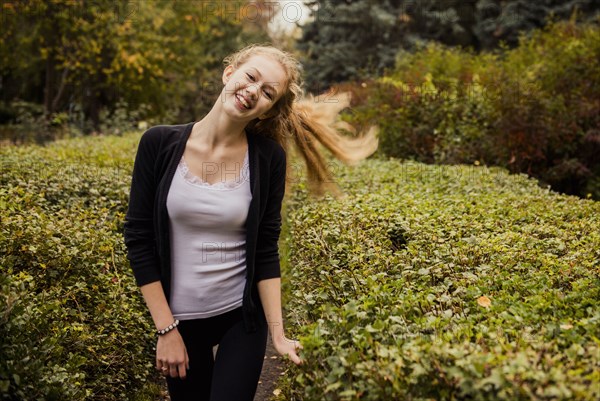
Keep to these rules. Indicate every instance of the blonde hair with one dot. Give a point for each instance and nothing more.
(307, 121)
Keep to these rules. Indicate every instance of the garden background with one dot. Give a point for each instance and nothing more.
(463, 262)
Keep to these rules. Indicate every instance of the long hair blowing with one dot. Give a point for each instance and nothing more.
(307, 121)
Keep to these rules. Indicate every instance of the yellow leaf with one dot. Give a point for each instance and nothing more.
(276, 392)
(566, 326)
(484, 301)
(158, 22)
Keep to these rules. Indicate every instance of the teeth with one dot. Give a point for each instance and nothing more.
(244, 102)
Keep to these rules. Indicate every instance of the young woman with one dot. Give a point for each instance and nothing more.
(204, 221)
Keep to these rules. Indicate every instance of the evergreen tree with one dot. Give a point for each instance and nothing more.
(497, 21)
(347, 39)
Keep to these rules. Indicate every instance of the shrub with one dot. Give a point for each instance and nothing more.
(532, 109)
(443, 282)
(73, 324)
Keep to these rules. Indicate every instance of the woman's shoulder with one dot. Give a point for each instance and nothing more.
(268, 146)
(159, 133)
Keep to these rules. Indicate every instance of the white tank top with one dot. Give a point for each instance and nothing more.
(208, 242)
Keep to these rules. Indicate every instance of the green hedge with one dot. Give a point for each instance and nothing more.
(390, 279)
(73, 325)
(532, 109)
(389, 288)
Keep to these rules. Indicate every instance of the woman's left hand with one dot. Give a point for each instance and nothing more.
(288, 347)
(270, 297)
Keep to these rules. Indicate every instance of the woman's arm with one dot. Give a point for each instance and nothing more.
(170, 349)
(138, 229)
(139, 238)
(270, 296)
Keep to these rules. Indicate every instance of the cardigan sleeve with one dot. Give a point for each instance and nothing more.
(269, 228)
(139, 233)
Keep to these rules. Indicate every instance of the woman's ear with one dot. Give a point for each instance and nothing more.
(227, 73)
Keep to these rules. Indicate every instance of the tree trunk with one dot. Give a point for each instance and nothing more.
(49, 85)
(92, 104)
(61, 90)
(52, 31)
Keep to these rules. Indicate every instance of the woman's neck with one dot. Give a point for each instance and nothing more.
(216, 129)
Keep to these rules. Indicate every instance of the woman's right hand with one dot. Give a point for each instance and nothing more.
(171, 355)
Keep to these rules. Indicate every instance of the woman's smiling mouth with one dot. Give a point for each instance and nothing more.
(243, 102)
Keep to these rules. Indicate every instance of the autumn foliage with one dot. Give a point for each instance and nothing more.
(533, 109)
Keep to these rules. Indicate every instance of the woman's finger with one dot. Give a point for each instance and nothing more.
(293, 353)
(295, 358)
(182, 370)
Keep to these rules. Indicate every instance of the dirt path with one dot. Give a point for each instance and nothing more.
(272, 369)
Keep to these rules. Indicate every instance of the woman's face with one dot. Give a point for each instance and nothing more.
(253, 88)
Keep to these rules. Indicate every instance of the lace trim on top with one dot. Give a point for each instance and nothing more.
(189, 177)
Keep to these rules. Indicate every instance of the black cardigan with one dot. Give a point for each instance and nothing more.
(146, 230)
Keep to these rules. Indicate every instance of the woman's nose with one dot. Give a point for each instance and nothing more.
(253, 90)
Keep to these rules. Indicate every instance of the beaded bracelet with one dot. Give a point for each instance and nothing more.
(168, 328)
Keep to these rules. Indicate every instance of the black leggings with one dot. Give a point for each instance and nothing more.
(233, 374)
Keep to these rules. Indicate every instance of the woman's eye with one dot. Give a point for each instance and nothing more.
(251, 77)
(269, 95)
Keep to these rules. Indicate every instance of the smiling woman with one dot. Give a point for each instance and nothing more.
(250, 87)
(204, 220)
